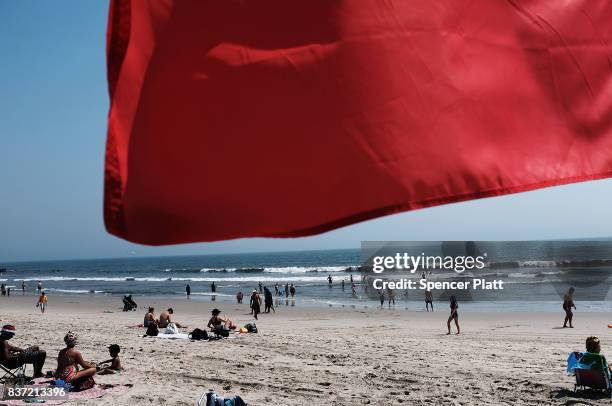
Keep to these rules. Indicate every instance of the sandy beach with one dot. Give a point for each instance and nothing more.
(321, 356)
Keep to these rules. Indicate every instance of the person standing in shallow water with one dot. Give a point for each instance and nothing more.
(268, 301)
(428, 300)
(568, 303)
(188, 290)
(292, 291)
(391, 296)
(213, 287)
(454, 306)
(286, 290)
(381, 296)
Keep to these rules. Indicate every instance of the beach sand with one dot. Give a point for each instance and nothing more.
(322, 356)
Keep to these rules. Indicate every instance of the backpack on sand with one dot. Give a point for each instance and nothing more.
(152, 330)
(198, 334)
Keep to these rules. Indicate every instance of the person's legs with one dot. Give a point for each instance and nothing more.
(566, 318)
(570, 315)
(38, 363)
(448, 324)
(36, 357)
(457, 324)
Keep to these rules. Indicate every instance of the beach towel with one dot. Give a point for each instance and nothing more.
(573, 362)
(97, 392)
(174, 336)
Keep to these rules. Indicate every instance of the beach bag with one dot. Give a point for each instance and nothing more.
(251, 327)
(212, 399)
(152, 330)
(198, 334)
(222, 331)
(171, 329)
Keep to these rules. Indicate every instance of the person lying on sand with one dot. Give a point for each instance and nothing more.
(115, 362)
(593, 357)
(164, 319)
(68, 362)
(13, 357)
(149, 318)
(218, 319)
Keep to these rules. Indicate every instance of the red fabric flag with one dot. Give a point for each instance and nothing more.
(242, 118)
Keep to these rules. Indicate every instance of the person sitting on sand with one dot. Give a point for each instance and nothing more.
(68, 362)
(149, 318)
(454, 306)
(164, 319)
(219, 319)
(115, 362)
(568, 303)
(13, 357)
(594, 359)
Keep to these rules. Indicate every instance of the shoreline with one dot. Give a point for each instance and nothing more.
(229, 300)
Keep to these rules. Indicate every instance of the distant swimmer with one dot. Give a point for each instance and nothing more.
(568, 303)
(329, 279)
(354, 289)
(342, 284)
(454, 315)
(351, 278)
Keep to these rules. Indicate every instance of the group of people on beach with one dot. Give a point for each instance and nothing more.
(72, 368)
(165, 318)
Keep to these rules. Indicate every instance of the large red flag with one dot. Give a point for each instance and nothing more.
(242, 118)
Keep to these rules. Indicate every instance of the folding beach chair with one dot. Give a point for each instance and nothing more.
(590, 378)
(12, 374)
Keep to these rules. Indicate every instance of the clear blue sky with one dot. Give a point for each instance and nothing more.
(53, 106)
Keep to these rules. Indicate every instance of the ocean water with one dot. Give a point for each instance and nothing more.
(535, 273)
